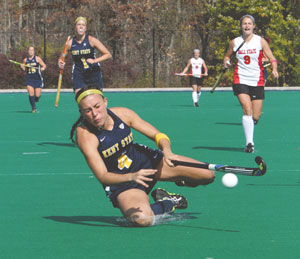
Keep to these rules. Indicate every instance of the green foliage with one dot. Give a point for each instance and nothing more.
(273, 21)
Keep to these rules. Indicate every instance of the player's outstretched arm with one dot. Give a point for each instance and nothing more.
(228, 55)
(105, 54)
(42, 63)
(186, 67)
(136, 122)
(88, 144)
(268, 53)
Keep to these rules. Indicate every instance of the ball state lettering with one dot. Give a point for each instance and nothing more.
(247, 51)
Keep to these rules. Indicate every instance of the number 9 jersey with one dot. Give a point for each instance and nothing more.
(249, 69)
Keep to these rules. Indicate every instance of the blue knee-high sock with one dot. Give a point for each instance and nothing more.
(162, 207)
(36, 98)
(32, 101)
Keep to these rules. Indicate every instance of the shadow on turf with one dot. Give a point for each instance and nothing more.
(22, 111)
(272, 184)
(233, 149)
(121, 222)
(184, 105)
(95, 221)
(57, 144)
(87, 220)
(229, 123)
(206, 228)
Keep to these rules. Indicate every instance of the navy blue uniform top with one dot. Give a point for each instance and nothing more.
(34, 72)
(80, 53)
(121, 155)
(117, 149)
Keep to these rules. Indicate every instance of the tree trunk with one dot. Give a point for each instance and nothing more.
(20, 24)
(125, 43)
(5, 35)
(171, 46)
(27, 27)
(34, 26)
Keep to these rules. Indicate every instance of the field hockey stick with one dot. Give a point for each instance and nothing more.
(18, 63)
(224, 69)
(260, 170)
(61, 73)
(266, 65)
(179, 74)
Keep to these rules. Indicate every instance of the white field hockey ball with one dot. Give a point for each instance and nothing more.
(229, 180)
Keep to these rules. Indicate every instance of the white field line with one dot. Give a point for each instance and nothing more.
(35, 153)
(91, 175)
(171, 89)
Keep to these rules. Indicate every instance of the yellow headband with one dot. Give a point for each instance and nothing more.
(81, 18)
(86, 93)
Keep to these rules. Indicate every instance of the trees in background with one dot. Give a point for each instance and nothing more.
(150, 39)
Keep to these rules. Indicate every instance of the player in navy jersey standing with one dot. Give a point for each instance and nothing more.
(128, 171)
(86, 66)
(248, 79)
(195, 64)
(33, 65)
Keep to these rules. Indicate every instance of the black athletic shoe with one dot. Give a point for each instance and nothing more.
(34, 111)
(196, 105)
(249, 148)
(179, 201)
